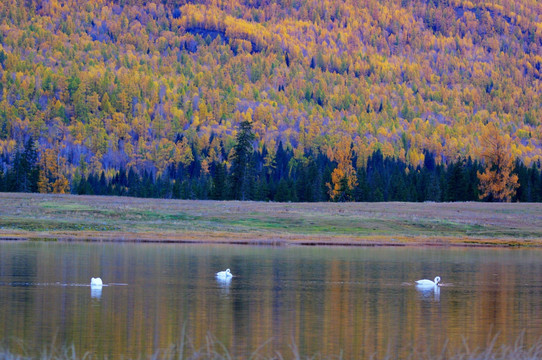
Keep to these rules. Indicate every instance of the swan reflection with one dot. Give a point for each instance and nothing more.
(96, 285)
(224, 285)
(96, 292)
(429, 292)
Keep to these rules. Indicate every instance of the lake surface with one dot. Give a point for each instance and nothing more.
(356, 302)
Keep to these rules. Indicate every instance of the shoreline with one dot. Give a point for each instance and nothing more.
(207, 239)
(68, 218)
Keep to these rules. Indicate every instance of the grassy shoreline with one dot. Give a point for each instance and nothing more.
(95, 218)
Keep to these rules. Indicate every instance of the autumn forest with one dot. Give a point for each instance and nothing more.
(289, 100)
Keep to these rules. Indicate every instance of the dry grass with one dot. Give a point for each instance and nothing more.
(93, 218)
(215, 350)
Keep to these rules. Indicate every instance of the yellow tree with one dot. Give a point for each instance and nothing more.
(51, 178)
(497, 181)
(343, 178)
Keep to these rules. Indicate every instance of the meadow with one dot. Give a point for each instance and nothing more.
(93, 218)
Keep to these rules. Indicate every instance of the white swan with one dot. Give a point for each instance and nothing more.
(96, 282)
(428, 283)
(224, 275)
(429, 293)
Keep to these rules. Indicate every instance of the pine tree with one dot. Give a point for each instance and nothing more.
(240, 178)
(457, 185)
(218, 185)
(29, 167)
(102, 185)
(432, 189)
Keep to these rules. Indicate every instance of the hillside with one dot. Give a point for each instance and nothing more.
(105, 85)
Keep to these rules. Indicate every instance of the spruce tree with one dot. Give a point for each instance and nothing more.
(240, 178)
(30, 167)
(218, 184)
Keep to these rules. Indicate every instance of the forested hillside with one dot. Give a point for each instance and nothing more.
(93, 91)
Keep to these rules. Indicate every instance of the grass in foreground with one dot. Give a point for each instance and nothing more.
(95, 218)
(214, 350)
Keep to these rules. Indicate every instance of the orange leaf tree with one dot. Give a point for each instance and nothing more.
(497, 183)
(51, 177)
(343, 178)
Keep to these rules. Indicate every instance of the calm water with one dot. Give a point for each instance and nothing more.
(358, 301)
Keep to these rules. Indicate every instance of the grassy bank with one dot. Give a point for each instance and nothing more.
(93, 218)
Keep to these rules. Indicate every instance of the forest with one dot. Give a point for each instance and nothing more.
(344, 100)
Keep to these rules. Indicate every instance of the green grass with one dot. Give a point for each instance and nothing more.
(34, 225)
(55, 206)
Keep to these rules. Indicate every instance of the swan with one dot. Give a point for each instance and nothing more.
(96, 282)
(428, 283)
(224, 275)
(429, 293)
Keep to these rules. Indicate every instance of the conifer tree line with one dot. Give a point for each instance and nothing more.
(284, 177)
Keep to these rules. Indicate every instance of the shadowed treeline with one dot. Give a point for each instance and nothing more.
(286, 179)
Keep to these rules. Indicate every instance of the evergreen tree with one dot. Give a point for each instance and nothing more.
(432, 187)
(315, 183)
(361, 192)
(102, 185)
(284, 191)
(30, 168)
(24, 173)
(81, 185)
(535, 178)
(241, 173)
(218, 183)
(399, 190)
(261, 190)
(282, 158)
(346, 193)
(457, 186)
(471, 169)
(133, 182)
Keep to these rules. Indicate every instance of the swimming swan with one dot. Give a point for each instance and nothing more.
(428, 283)
(96, 282)
(224, 275)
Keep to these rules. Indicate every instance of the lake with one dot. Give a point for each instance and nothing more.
(326, 301)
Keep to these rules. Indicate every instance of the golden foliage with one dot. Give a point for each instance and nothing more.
(402, 78)
(51, 177)
(343, 178)
(497, 181)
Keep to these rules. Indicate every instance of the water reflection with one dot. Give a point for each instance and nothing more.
(224, 287)
(431, 293)
(326, 301)
(96, 291)
(223, 282)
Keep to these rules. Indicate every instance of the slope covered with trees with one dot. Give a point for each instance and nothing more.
(159, 90)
